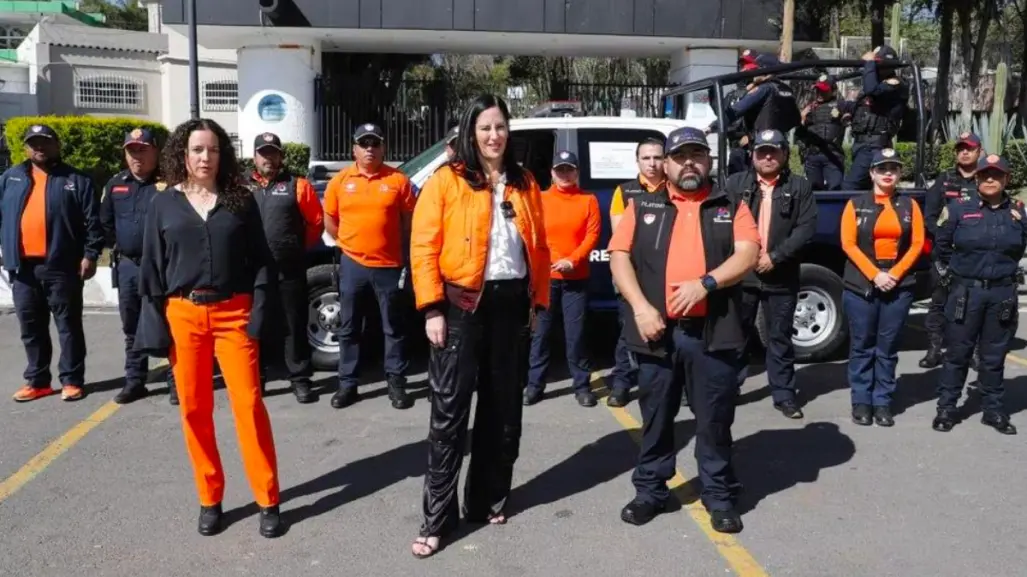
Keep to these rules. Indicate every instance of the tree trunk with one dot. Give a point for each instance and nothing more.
(877, 8)
(940, 107)
(1022, 96)
(787, 30)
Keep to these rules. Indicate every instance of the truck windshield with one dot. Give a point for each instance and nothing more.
(415, 164)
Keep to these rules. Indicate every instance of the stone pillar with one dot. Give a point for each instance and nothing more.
(691, 64)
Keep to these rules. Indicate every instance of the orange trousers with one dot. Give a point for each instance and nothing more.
(199, 333)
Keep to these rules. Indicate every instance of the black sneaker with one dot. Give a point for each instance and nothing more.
(883, 417)
(999, 422)
(586, 398)
(345, 397)
(862, 415)
(789, 409)
(618, 398)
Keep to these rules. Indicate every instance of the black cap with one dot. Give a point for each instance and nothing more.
(142, 136)
(39, 130)
(771, 138)
(969, 139)
(565, 158)
(885, 52)
(684, 136)
(267, 139)
(767, 60)
(993, 162)
(365, 130)
(885, 156)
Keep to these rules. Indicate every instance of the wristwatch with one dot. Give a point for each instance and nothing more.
(709, 283)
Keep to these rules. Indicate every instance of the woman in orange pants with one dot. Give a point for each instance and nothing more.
(480, 269)
(204, 277)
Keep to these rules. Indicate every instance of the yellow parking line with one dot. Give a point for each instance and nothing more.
(41, 461)
(737, 557)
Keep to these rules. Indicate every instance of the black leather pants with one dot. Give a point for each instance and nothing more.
(485, 351)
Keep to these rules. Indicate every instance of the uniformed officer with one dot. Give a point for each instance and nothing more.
(126, 198)
(651, 179)
(821, 134)
(956, 184)
(980, 245)
(739, 159)
(786, 214)
(368, 208)
(293, 223)
(877, 114)
(768, 104)
(677, 259)
(51, 237)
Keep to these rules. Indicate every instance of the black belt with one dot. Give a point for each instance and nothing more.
(205, 297)
(690, 324)
(986, 283)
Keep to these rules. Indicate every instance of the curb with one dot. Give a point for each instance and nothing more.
(96, 293)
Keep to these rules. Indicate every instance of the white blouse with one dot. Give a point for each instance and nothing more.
(506, 248)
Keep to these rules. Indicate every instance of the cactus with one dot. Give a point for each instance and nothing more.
(996, 141)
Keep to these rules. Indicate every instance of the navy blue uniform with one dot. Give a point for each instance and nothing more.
(126, 199)
(982, 246)
(51, 285)
(876, 118)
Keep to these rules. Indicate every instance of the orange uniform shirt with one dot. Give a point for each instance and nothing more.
(686, 258)
(33, 218)
(887, 234)
(369, 209)
(572, 224)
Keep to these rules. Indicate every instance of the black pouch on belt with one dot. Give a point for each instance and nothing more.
(1007, 310)
(960, 312)
(115, 257)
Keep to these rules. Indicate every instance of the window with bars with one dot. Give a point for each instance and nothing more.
(109, 92)
(220, 95)
(11, 36)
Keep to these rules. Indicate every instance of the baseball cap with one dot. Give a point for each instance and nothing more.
(565, 158)
(365, 130)
(142, 136)
(885, 52)
(993, 162)
(969, 139)
(886, 156)
(771, 138)
(825, 83)
(39, 130)
(684, 136)
(767, 60)
(267, 139)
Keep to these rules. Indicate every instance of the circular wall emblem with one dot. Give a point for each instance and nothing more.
(272, 108)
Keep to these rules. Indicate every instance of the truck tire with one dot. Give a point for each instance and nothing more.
(323, 318)
(820, 330)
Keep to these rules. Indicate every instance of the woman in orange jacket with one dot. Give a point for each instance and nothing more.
(204, 278)
(480, 270)
(572, 231)
(882, 233)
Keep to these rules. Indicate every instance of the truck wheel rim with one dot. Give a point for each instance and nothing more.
(323, 322)
(815, 317)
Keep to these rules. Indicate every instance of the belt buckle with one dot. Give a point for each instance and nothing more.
(199, 297)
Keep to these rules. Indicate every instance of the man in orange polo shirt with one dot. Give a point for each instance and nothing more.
(572, 223)
(677, 260)
(51, 237)
(368, 207)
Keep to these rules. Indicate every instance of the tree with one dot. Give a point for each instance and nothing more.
(123, 14)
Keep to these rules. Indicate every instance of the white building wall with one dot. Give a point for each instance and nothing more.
(691, 64)
(213, 66)
(276, 93)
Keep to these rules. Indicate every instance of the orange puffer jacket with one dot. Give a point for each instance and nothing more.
(449, 240)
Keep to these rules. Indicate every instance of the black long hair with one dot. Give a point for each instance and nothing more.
(467, 162)
(231, 191)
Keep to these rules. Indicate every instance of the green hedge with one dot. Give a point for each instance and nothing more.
(937, 158)
(297, 159)
(90, 144)
(94, 144)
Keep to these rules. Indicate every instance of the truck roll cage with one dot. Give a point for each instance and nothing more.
(809, 71)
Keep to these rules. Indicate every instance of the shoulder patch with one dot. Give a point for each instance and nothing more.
(893, 81)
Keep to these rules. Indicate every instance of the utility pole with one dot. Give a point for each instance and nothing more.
(787, 30)
(194, 70)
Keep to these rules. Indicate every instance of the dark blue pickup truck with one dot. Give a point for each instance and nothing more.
(606, 150)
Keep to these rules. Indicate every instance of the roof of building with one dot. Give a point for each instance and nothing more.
(97, 37)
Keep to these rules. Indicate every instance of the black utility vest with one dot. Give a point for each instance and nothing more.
(867, 213)
(634, 189)
(654, 224)
(779, 110)
(825, 121)
(283, 223)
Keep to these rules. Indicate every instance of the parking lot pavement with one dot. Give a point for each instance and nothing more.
(824, 497)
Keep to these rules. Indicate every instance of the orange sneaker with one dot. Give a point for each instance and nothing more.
(71, 393)
(29, 393)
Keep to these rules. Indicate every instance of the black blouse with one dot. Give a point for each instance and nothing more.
(182, 252)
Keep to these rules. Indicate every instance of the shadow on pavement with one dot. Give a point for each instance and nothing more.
(772, 461)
